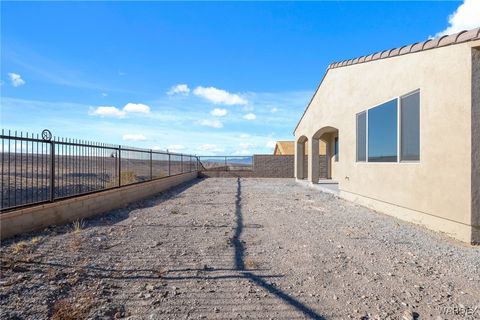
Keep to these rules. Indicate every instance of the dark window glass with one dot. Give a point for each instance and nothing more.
(336, 149)
(382, 133)
(362, 136)
(410, 127)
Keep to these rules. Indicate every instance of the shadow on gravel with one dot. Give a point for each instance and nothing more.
(259, 280)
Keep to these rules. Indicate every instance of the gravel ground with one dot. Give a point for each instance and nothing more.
(226, 248)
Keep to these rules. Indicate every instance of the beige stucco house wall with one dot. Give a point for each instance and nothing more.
(441, 190)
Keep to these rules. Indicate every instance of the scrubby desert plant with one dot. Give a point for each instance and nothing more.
(20, 247)
(250, 264)
(35, 240)
(78, 225)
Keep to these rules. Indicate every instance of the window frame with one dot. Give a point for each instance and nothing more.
(356, 136)
(398, 100)
(419, 126)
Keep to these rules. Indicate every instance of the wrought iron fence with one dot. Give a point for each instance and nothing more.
(44, 169)
(226, 163)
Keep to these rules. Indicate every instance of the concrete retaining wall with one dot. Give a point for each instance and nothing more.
(68, 210)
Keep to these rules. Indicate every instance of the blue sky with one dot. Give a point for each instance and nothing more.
(202, 78)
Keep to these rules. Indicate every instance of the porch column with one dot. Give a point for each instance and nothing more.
(313, 160)
(299, 152)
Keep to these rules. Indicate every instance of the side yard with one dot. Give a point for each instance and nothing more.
(228, 248)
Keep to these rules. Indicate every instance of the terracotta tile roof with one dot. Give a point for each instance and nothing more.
(463, 36)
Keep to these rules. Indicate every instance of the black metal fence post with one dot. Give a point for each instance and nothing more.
(119, 166)
(226, 168)
(52, 171)
(169, 172)
(181, 163)
(151, 164)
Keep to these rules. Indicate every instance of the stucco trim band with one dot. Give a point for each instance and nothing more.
(65, 211)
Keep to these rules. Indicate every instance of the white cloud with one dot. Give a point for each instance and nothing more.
(217, 112)
(16, 79)
(121, 73)
(467, 16)
(107, 111)
(176, 147)
(219, 96)
(242, 152)
(211, 123)
(156, 148)
(134, 137)
(136, 107)
(274, 109)
(244, 135)
(271, 144)
(247, 145)
(104, 94)
(210, 148)
(250, 116)
(179, 89)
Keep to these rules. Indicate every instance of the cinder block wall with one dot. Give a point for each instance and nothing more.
(264, 166)
(322, 167)
(68, 210)
(270, 166)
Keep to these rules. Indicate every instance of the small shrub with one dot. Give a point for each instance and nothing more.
(36, 240)
(72, 309)
(78, 225)
(20, 247)
(250, 264)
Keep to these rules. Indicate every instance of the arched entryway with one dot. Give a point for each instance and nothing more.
(301, 163)
(325, 151)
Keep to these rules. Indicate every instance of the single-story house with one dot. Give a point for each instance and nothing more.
(402, 130)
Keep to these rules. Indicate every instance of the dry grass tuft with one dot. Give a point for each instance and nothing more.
(72, 309)
(20, 247)
(250, 264)
(78, 225)
(35, 240)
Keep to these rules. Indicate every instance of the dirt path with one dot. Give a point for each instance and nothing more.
(247, 248)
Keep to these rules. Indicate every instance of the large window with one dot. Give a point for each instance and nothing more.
(362, 136)
(390, 132)
(382, 133)
(410, 127)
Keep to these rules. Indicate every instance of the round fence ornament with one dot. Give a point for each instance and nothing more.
(46, 135)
